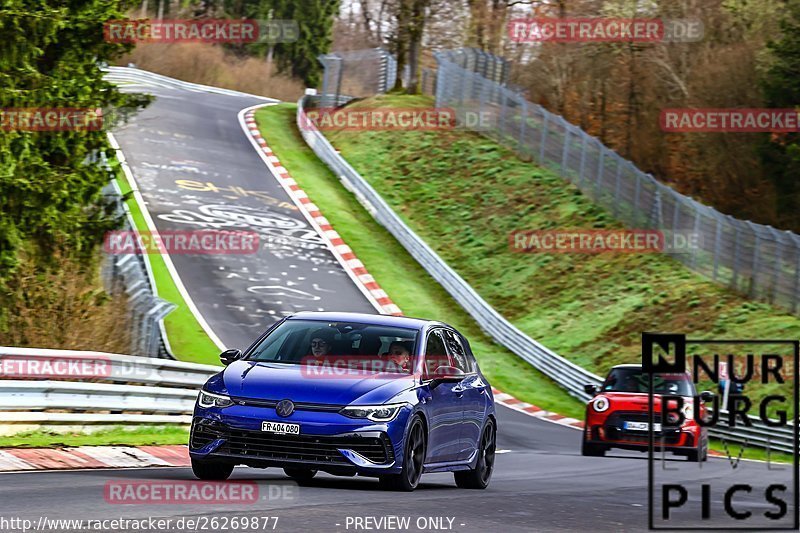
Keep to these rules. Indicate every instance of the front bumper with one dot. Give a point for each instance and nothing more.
(678, 439)
(328, 441)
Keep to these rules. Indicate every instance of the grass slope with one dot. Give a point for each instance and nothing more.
(464, 194)
(399, 275)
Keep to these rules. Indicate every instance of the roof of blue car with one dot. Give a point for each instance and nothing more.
(363, 318)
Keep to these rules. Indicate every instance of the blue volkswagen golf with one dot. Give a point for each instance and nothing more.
(349, 394)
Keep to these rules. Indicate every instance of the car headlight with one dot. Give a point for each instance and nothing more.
(601, 403)
(688, 412)
(376, 413)
(207, 399)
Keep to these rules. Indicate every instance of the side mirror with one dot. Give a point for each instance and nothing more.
(706, 396)
(445, 374)
(591, 389)
(229, 356)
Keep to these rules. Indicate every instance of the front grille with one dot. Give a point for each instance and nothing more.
(640, 438)
(305, 447)
(614, 424)
(205, 432)
(260, 445)
(298, 406)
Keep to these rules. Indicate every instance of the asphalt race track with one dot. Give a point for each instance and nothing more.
(197, 170)
(540, 482)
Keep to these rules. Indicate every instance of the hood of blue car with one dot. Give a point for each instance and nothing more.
(275, 381)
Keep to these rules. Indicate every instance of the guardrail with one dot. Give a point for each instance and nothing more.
(74, 387)
(133, 75)
(565, 373)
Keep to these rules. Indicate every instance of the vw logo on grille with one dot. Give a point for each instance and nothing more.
(284, 408)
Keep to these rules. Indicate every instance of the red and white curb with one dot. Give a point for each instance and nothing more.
(81, 457)
(529, 409)
(352, 265)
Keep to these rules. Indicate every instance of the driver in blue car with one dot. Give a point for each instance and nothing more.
(321, 342)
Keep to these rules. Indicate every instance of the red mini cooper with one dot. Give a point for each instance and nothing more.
(617, 415)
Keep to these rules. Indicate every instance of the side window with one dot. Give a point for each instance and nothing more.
(458, 353)
(435, 353)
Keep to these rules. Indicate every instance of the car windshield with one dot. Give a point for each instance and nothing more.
(339, 345)
(634, 380)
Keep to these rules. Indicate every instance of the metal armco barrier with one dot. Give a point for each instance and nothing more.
(567, 374)
(74, 387)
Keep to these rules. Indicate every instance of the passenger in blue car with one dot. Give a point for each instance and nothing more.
(400, 355)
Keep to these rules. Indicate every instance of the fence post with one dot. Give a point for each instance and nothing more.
(583, 159)
(776, 271)
(545, 121)
(503, 104)
(600, 168)
(637, 194)
(465, 74)
(717, 244)
(656, 217)
(695, 228)
(736, 237)
(796, 280)
(754, 264)
(523, 119)
(441, 83)
(617, 179)
(565, 150)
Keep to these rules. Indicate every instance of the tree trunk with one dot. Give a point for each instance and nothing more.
(401, 43)
(416, 28)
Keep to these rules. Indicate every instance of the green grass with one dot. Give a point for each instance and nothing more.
(188, 340)
(755, 454)
(409, 286)
(122, 435)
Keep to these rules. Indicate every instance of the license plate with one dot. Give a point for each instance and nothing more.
(280, 428)
(640, 426)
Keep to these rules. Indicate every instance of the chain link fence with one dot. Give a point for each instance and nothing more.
(753, 259)
(127, 274)
(356, 74)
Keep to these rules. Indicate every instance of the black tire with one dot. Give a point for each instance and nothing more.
(301, 475)
(212, 470)
(699, 454)
(592, 450)
(478, 478)
(413, 460)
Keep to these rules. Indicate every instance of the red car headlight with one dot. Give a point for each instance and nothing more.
(601, 404)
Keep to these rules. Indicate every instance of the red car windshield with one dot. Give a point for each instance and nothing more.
(634, 380)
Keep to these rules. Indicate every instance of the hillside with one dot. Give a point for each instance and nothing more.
(464, 194)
